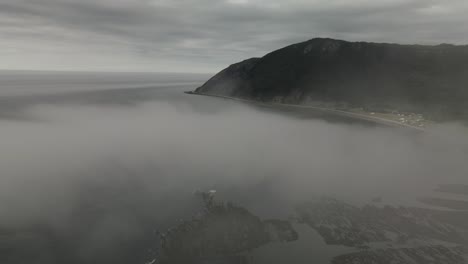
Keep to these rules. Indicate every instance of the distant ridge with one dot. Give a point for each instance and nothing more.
(432, 80)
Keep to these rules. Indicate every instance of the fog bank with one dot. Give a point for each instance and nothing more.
(108, 173)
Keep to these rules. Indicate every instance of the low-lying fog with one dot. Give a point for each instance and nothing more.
(101, 174)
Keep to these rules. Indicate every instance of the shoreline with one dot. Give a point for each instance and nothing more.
(374, 119)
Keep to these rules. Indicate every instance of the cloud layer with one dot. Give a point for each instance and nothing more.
(47, 161)
(205, 35)
(90, 181)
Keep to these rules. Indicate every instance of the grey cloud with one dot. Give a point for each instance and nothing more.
(211, 34)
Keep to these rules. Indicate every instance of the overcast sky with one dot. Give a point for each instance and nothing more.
(205, 35)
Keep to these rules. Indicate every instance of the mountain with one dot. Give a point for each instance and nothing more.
(432, 80)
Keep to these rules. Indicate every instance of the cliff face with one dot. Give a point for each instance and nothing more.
(428, 79)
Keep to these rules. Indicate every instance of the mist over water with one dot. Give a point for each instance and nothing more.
(99, 168)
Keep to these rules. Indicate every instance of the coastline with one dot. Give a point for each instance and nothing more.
(342, 113)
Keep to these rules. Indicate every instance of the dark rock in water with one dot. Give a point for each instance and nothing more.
(343, 224)
(426, 79)
(417, 255)
(223, 234)
(387, 234)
